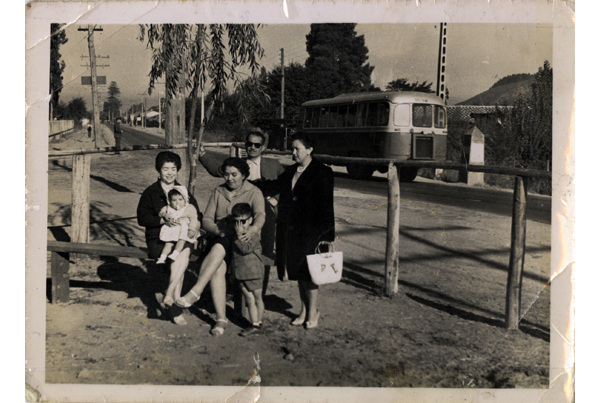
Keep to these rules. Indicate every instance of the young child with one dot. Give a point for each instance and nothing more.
(248, 268)
(187, 216)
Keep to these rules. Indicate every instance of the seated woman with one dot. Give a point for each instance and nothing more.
(153, 200)
(216, 222)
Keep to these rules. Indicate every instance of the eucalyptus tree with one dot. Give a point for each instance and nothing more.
(201, 58)
(57, 66)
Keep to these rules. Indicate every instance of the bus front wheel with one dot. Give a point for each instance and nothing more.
(360, 171)
(408, 174)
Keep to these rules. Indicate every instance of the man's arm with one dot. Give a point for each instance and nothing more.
(211, 163)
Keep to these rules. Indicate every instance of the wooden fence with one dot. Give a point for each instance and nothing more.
(56, 127)
(81, 185)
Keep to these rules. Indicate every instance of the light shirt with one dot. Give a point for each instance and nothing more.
(254, 169)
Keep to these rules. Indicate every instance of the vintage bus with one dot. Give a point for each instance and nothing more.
(398, 124)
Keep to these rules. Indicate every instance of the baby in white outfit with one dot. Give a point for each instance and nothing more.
(185, 215)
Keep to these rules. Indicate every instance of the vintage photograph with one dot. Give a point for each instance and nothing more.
(317, 204)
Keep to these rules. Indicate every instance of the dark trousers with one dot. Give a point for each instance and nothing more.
(117, 145)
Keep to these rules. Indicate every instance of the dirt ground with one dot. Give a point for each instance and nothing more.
(444, 328)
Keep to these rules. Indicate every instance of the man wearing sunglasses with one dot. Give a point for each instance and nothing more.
(260, 168)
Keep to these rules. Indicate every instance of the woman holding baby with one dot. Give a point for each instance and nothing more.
(166, 207)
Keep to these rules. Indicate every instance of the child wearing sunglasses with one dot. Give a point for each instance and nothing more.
(247, 265)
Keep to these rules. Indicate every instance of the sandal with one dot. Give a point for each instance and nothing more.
(219, 329)
(183, 302)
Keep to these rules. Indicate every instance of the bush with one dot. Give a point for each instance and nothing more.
(519, 137)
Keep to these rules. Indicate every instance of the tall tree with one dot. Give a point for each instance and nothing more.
(190, 56)
(76, 109)
(402, 84)
(57, 66)
(336, 60)
(113, 103)
(536, 146)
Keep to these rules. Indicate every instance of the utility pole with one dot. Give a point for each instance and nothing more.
(95, 108)
(143, 111)
(441, 81)
(282, 114)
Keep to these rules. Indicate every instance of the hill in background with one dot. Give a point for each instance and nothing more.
(504, 92)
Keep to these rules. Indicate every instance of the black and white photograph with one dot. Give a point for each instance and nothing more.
(300, 201)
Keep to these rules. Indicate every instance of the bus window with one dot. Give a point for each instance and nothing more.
(307, 116)
(341, 117)
(351, 117)
(333, 116)
(378, 114)
(422, 115)
(439, 117)
(372, 114)
(323, 116)
(402, 115)
(315, 117)
(383, 114)
(361, 114)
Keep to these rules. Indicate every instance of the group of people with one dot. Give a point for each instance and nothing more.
(262, 215)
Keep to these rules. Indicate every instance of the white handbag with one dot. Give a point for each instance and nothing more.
(325, 267)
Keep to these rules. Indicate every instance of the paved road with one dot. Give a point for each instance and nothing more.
(487, 200)
(132, 136)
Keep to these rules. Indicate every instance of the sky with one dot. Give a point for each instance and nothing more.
(478, 55)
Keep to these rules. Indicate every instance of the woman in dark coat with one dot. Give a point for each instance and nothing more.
(305, 218)
(154, 198)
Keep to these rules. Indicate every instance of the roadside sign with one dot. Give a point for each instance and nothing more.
(87, 80)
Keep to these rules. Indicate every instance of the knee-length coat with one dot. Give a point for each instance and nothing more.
(306, 216)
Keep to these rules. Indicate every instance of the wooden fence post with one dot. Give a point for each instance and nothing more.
(59, 272)
(80, 209)
(517, 254)
(392, 253)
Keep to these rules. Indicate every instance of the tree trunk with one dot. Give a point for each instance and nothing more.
(175, 128)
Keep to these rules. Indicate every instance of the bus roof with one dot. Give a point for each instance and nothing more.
(396, 97)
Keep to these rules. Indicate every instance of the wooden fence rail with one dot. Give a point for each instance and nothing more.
(517, 254)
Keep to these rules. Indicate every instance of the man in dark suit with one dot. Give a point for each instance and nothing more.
(260, 168)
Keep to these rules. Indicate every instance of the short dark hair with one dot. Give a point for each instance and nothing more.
(167, 156)
(238, 163)
(307, 141)
(241, 209)
(257, 132)
(174, 192)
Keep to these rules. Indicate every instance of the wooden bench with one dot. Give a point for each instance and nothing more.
(59, 261)
(59, 266)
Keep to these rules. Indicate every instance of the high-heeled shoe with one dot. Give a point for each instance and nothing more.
(299, 321)
(185, 303)
(313, 323)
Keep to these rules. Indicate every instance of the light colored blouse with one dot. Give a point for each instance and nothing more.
(222, 201)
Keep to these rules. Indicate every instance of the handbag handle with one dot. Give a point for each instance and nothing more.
(330, 248)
